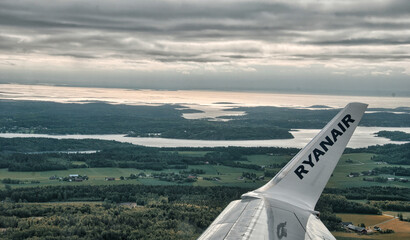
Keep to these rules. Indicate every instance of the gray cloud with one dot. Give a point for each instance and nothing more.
(371, 57)
(361, 41)
(193, 36)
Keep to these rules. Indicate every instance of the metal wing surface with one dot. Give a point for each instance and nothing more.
(283, 208)
(262, 218)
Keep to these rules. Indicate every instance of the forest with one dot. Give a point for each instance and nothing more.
(372, 193)
(102, 118)
(105, 212)
(130, 208)
(390, 153)
(397, 171)
(167, 121)
(394, 135)
(123, 155)
(306, 118)
(37, 155)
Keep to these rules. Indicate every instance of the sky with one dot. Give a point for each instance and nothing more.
(337, 47)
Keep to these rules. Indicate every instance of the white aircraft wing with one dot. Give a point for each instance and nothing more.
(283, 208)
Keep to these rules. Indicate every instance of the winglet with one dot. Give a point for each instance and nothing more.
(303, 179)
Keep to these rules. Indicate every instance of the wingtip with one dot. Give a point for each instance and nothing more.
(358, 104)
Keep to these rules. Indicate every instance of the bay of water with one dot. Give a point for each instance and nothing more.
(212, 103)
(362, 137)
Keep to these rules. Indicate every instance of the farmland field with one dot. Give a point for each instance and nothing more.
(394, 213)
(361, 162)
(235, 170)
(368, 220)
(228, 176)
(401, 229)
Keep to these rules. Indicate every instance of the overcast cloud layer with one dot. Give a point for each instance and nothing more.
(318, 46)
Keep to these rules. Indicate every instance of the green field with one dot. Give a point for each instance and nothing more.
(96, 176)
(228, 176)
(361, 162)
(367, 219)
(395, 213)
(221, 175)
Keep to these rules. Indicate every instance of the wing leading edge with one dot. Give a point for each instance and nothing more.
(284, 207)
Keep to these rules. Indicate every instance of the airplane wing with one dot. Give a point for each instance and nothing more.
(283, 208)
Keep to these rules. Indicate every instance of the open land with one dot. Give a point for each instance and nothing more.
(401, 229)
(229, 176)
(43, 182)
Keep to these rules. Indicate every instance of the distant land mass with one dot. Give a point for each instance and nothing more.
(167, 121)
(394, 135)
(319, 106)
(137, 121)
(224, 103)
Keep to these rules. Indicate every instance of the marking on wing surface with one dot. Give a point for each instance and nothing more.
(281, 231)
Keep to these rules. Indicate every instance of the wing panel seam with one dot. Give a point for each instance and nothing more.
(236, 221)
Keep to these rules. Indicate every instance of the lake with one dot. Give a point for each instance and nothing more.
(362, 137)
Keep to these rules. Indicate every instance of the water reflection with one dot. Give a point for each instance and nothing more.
(362, 137)
(212, 103)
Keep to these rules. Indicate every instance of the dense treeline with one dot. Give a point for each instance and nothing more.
(329, 204)
(34, 145)
(372, 193)
(212, 196)
(92, 118)
(123, 157)
(37, 145)
(340, 204)
(305, 118)
(35, 162)
(397, 171)
(140, 158)
(10, 181)
(114, 154)
(394, 135)
(240, 150)
(104, 221)
(390, 153)
(203, 129)
(172, 211)
(385, 119)
(392, 205)
(180, 212)
(229, 158)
